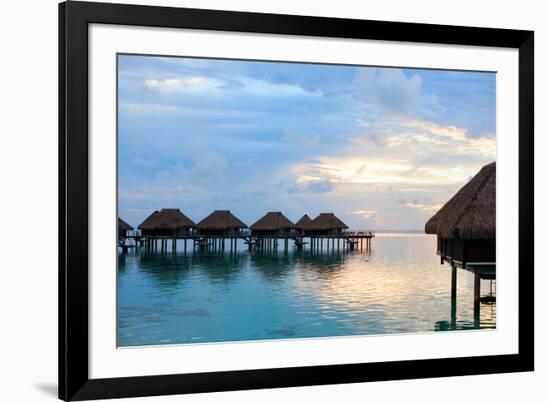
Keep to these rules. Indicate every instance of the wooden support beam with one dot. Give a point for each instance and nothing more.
(453, 282)
(477, 292)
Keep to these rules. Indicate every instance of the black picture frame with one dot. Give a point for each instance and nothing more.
(74, 18)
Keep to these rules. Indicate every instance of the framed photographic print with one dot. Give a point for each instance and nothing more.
(257, 200)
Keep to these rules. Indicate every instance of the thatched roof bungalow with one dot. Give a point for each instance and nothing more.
(221, 222)
(272, 223)
(465, 225)
(303, 223)
(167, 222)
(326, 224)
(123, 229)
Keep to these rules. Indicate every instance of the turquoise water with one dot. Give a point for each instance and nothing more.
(397, 287)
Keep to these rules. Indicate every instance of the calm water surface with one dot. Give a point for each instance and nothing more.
(398, 287)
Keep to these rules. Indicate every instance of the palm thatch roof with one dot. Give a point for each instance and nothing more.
(122, 225)
(471, 213)
(326, 221)
(304, 222)
(167, 219)
(272, 221)
(221, 220)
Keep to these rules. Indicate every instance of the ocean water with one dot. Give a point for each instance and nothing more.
(399, 286)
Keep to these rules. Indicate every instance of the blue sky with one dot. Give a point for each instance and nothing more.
(383, 148)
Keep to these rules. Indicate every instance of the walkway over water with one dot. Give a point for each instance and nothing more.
(343, 240)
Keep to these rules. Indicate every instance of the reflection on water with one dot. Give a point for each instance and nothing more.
(398, 287)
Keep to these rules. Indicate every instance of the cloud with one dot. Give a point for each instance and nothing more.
(292, 136)
(183, 84)
(432, 208)
(144, 161)
(321, 186)
(204, 134)
(210, 165)
(367, 214)
(311, 186)
(389, 88)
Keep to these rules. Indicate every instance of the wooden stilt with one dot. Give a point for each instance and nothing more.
(477, 291)
(453, 282)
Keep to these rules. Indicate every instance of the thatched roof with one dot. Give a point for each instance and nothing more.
(304, 222)
(272, 221)
(167, 219)
(471, 213)
(326, 221)
(123, 225)
(221, 220)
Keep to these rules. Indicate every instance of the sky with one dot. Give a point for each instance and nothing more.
(382, 148)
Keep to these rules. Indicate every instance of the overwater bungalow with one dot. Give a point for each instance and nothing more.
(465, 229)
(326, 224)
(465, 225)
(169, 222)
(272, 224)
(302, 224)
(123, 229)
(221, 223)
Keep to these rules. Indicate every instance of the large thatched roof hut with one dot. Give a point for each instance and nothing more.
(167, 222)
(326, 224)
(465, 225)
(123, 228)
(272, 223)
(303, 223)
(221, 222)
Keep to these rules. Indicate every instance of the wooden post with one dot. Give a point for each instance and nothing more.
(477, 291)
(453, 282)
(453, 297)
